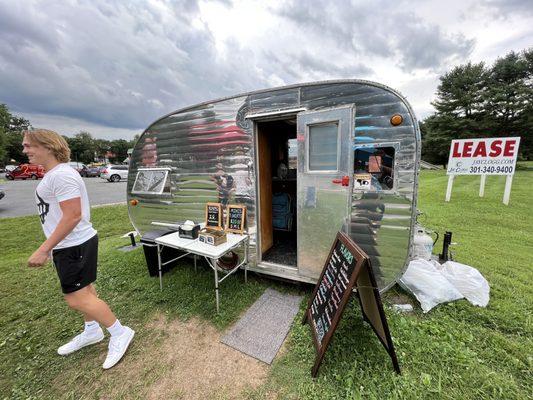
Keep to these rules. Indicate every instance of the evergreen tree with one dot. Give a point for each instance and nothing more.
(507, 95)
(473, 101)
(459, 111)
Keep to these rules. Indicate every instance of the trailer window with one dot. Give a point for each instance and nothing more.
(323, 147)
(151, 181)
(374, 168)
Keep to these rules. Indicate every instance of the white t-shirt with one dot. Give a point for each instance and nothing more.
(59, 184)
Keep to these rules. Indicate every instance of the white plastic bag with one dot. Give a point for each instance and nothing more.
(468, 281)
(429, 286)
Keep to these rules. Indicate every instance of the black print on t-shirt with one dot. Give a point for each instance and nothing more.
(43, 208)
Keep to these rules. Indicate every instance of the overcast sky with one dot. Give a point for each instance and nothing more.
(112, 67)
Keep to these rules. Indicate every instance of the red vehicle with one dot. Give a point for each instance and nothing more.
(26, 171)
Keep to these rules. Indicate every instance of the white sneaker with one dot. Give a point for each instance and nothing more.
(117, 347)
(80, 341)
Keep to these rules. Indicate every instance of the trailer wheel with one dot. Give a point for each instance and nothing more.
(9, 178)
(33, 177)
(115, 178)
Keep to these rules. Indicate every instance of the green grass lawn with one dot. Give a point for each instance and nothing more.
(456, 351)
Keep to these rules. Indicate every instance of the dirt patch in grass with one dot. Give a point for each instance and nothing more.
(185, 360)
(397, 297)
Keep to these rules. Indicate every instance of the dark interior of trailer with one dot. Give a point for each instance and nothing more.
(277, 161)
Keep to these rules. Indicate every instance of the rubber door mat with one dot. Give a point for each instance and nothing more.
(263, 328)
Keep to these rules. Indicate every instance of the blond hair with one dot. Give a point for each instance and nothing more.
(52, 141)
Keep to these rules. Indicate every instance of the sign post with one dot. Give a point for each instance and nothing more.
(346, 267)
(494, 156)
(507, 191)
(449, 188)
(482, 185)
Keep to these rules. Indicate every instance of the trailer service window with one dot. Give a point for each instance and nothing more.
(151, 181)
(374, 168)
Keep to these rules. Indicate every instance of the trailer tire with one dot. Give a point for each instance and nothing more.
(33, 177)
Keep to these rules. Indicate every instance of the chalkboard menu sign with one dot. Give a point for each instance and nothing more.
(346, 267)
(332, 290)
(213, 216)
(236, 217)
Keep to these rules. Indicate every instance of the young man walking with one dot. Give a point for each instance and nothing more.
(72, 242)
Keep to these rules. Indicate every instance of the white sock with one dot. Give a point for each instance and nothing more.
(116, 329)
(91, 326)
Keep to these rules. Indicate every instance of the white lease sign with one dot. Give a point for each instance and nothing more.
(494, 156)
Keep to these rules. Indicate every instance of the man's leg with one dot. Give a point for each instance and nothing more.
(93, 308)
(87, 317)
(93, 332)
(87, 302)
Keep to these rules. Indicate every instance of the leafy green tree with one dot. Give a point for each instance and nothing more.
(11, 128)
(14, 147)
(120, 148)
(3, 143)
(82, 147)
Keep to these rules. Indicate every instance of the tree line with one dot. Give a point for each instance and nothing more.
(477, 101)
(83, 146)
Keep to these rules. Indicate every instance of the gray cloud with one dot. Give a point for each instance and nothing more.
(425, 47)
(103, 63)
(117, 64)
(315, 66)
(380, 28)
(508, 7)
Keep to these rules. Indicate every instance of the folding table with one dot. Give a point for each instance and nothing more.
(211, 253)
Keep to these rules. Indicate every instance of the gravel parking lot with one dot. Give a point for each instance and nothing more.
(20, 195)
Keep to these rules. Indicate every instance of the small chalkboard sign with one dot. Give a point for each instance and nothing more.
(236, 217)
(213, 216)
(346, 267)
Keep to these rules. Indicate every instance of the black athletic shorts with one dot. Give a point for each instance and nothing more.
(76, 265)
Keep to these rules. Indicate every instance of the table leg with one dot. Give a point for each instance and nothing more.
(246, 261)
(214, 262)
(159, 267)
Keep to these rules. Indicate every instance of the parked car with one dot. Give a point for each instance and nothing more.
(90, 171)
(114, 173)
(7, 168)
(78, 166)
(26, 171)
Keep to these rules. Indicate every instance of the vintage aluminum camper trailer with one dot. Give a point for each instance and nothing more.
(306, 160)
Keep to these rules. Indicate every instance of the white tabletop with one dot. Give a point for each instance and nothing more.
(202, 249)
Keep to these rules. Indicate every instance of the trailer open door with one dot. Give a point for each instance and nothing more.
(324, 183)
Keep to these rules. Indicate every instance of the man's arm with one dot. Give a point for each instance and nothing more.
(71, 210)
